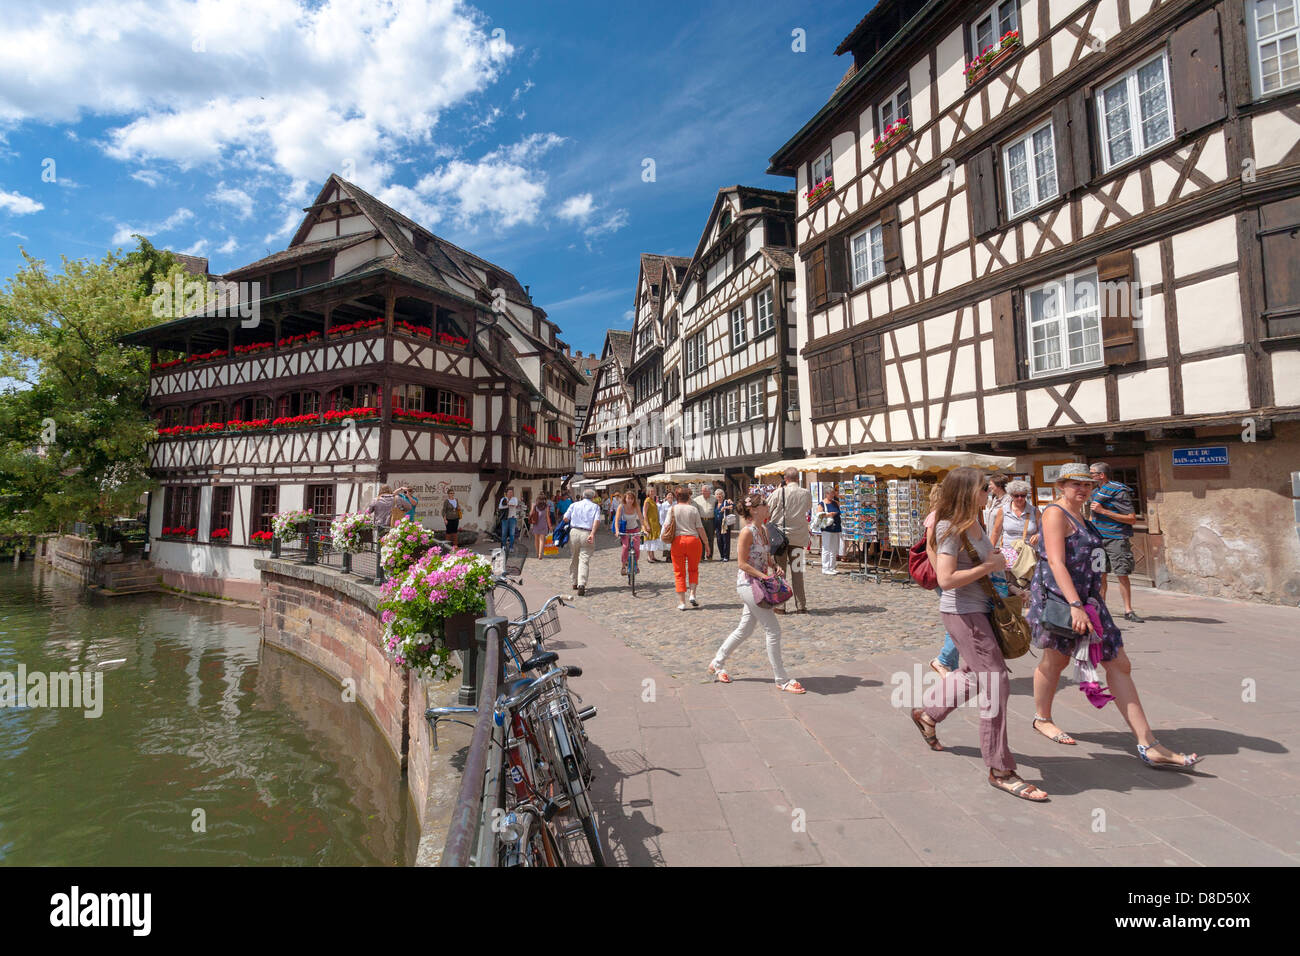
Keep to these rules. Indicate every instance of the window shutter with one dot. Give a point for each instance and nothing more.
(845, 394)
(981, 191)
(868, 372)
(1279, 239)
(1196, 73)
(817, 277)
(891, 244)
(1079, 149)
(1062, 143)
(837, 265)
(1115, 297)
(1006, 368)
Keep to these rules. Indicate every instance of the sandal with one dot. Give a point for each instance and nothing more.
(792, 687)
(1017, 787)
(939, 668)
(719, 674)
(931, 737)
(1184, 761)
(1061, 738)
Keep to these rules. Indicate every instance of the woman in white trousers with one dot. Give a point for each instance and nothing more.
(754, 558)
(830, 504)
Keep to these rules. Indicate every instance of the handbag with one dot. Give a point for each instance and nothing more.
(919, 568)
(778, 543)
(1056, 615)
(1020, 568)
(670, 529)
(1007, 618)
(771, 592)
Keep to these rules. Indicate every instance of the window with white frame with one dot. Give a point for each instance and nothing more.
(692, 357)
(868, 249)
(1064, 325)
(1031, 169)
(754, 400)
(821, 168)
(733, 406)
(739, 328)
(706, 415)
(701, 349)
(764, 314)
(716, 271)
(1275, 44)
(1134, 112)
(896, 107)
(992, 25)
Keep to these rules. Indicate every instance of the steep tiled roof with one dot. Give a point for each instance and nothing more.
(779, 256)
(305, 250)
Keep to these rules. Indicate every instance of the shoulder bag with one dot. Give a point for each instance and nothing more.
(771, 592)
(1021, 567)
(778, 543)
(919, 568)
(1009, 624)
(670, 529)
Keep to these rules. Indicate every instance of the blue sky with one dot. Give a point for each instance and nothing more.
(519, 130)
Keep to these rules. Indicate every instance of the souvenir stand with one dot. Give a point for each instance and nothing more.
(884, 498)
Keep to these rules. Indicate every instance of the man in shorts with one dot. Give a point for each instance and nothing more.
(1113, 514)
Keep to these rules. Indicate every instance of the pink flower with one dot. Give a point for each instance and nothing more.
(408, 593)
(388, 617)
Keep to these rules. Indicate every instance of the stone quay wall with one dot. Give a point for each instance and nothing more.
(331, 620)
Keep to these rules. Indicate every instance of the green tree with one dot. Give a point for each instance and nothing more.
(73, 428)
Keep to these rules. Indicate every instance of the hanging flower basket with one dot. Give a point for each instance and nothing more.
(289, 524)
(991, 56)
(893, 134)
(430, 610)
(350, 532)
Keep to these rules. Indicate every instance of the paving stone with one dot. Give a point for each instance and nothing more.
(784, 742)
(685, 800)
(939, 831)
(736, 767)
(763, 825)
(711, 848)
(870, 842)
(1212, 842)
(670, 748)
(825, 792)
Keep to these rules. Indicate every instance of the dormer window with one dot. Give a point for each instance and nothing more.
(821, 168)
(724, 220)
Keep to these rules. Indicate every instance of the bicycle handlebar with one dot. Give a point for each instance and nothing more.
(532, 691)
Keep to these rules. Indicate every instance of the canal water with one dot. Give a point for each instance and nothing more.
(211, 748)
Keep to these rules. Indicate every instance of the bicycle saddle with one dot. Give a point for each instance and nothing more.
(543, 659)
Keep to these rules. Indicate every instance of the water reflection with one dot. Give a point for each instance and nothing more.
(198, 716)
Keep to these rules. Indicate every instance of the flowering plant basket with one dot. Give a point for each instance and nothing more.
(403, 544)
(421, 331)
(894, 132)
(617, 452)
(528, 430)
(180, 533)
(289, 524)
(820, 191)
(219, 536)
(350, 532)
(206, 356)
(261, 538)
(437, 589)
(160, 366)
(252, 347)
(553, 439)
(448, 340)
(990, 56)
(435, 418)
(289, 341)
(352, 328)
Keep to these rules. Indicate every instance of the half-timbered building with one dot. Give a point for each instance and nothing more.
(369, 351)
(739, 381)
(1067, 230)
(655, 280)
(605, 434)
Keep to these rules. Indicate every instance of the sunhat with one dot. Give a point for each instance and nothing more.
(1075, 471)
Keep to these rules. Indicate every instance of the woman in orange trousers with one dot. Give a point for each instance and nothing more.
(688, 546)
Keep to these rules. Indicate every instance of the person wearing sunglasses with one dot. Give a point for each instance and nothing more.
(1017, 518)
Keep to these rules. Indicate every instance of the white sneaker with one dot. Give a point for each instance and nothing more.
(681, 607)
(694, 603)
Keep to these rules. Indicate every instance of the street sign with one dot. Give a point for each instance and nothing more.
(1205, 456)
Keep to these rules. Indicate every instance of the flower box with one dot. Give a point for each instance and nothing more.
(820, 191)
(892, 135)
(617, 452)
(437, 419)
(293, 341)
(261, 538)
(354, 328)
(553, 439)
(590, 455)
(252, 348)
(419, 331)
(219, 536)
(458, 631)
(449, 341)
(180, 533)
(991, 57)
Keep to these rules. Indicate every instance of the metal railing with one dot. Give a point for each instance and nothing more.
(471, 840)
(315, 545)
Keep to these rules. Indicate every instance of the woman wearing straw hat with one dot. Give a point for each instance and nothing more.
(1068, 575)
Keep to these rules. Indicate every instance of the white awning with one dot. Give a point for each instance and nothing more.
(681, 477)
(893, 463)
(615, 481)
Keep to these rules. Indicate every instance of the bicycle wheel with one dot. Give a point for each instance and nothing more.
(573, 774)
(507, 602)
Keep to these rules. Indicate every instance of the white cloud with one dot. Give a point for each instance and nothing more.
(124, 232)
(301, 87)
(521, 90)
(577, 207)
(611, 223)
(501, 189)
(18, 235)
(585, 299)
(292, 217)
(148, 177)
(199, 248)
(628, 316)
(228, 247)
(17, 204)
(233, 196)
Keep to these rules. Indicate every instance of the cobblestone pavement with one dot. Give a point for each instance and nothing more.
(847, 619)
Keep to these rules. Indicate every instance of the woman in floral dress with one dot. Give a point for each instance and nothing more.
(1068, 572)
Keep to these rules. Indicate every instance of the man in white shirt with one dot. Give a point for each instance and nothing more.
(703, 503)
(509, 508)
(789, 506)
(583, 518)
